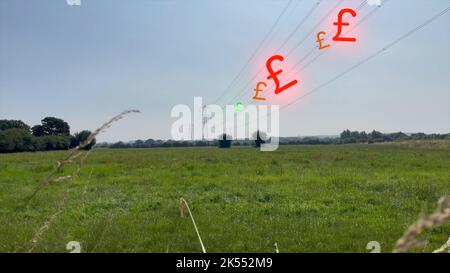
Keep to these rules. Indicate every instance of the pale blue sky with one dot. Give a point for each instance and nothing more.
(87, 63)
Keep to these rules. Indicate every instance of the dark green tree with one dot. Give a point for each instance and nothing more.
(225, 141)
(38, 130)
(149, 143)
(398, 136)
(139, 144)
(6, 124)
(55, 142)
(119, 145)
(418, 136)
(363, 136)
(346, 134)
(16, 140)
(55, 126)
(376, 136)
(258, 139)
(349, 137)
(81, 137)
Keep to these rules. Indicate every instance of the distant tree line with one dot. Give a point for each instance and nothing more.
(348, 136)
(225, 141)
(52, 134)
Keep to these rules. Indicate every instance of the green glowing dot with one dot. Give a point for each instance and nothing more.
(238, 106)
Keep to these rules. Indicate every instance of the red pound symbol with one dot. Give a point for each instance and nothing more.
(339, 24)
(273, 75)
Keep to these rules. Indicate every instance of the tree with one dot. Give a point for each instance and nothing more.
(258, 139)
(55, 126)
(6, 124)
(354, 135)
(55, 142)
(149, 143)
(81, 137)
(119, 145)
(38, 130)
(346, 134)
(139, 144)
(168, 143)
(200, 143)
(225, 142)
(16, 140)
(376, 136)
(398, 136)
(418, 136)
(52, 134)
(349, 137)
(363, 136)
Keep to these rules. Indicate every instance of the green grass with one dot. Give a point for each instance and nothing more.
(305, 198)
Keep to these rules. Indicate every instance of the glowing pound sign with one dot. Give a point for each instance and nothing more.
(273, 75)
(320, 40)
(339, 24)
(257, 89)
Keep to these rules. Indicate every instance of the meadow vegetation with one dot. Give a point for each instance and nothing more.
(321, 198)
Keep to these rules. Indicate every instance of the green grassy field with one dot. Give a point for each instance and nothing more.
(304, 198)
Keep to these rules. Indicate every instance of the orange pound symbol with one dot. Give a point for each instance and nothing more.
(257, 89)
(339, 24)
(320, 40)
(273, 75)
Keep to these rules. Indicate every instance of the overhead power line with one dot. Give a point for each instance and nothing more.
(297, 27)
(242, 92)
(257, 49)
(368, 58)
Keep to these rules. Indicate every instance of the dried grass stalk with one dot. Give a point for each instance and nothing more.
(444, 248)
(83, 195)
(440, 216)
(77, 151)
(183, 209)
(37, 236)
(193, 222)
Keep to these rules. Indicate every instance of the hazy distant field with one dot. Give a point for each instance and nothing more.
(304, 198)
